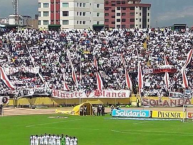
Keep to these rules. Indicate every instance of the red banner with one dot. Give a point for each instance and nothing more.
(159, 70)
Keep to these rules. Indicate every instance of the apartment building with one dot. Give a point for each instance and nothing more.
(71, 14)
(126, 14)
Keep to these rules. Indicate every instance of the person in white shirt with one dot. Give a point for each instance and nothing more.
(58, 140)
(71, 140)
(41, 139)
(50, 140)
(45, 138)
(53, 140)
(75, 141)
(31, 140)
(36, 140)
(67, 140)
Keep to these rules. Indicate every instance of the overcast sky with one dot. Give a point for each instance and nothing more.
(163, 12)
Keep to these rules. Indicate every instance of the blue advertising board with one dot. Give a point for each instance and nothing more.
(131, 113)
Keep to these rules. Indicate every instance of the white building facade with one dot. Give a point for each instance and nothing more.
(142, 17)
(71, 14)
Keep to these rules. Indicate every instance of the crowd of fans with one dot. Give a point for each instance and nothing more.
(48, 51)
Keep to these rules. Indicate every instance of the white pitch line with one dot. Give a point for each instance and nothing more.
(51, 123)
(152, 132)
(73, 128)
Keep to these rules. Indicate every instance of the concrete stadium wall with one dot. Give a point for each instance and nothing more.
(55, 102)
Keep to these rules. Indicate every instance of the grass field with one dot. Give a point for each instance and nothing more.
(16, 130)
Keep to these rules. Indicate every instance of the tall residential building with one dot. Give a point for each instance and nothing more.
(71, 14)
(127, 14)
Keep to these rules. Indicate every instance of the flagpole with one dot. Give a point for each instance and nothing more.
(80, 78)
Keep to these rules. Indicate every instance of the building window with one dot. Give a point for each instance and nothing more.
(148, 14)
(39, 14)
(118, 26)
(80, 4)
(83, 22)
(118, 14)
(123, 2)
(132, 20)
(45, 5)
(118, 2)
(98, 14)
(77, 22)
(118, 20)
(77, 13)
(140, 8)
(65, 13)
(123, 26)
(112, 16)
(147, 26)
(39, 22)
(83, 13)
(132, 14)
(112, 4)
(45, 22)
(80, 22)
(39, 5)
(148, 8)
(139, 26)
(80, 13)
(98, 5)
(123, 8)
(139, 20)
(140, 14)
(106, 20)
(132, 8)
(106, 9)
(123, 20)
(106, 2)
(106, 14)
(112, 22)
(65, 22)
(118, 8)
(148, 20)
(45, 13)
(84, 5)
(132, 26)
(65, 5)
(113, 11)
(123, 14)
(98, 22)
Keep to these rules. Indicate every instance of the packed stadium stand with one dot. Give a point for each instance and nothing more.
(32, 58)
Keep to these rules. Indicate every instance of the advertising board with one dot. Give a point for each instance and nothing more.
(166, 103)
(167, 114)
(131, 113)
(190, 115)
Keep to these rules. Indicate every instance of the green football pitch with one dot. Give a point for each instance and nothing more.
(93, 130)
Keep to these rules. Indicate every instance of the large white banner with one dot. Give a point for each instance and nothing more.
(12, 70)
(94, 94)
